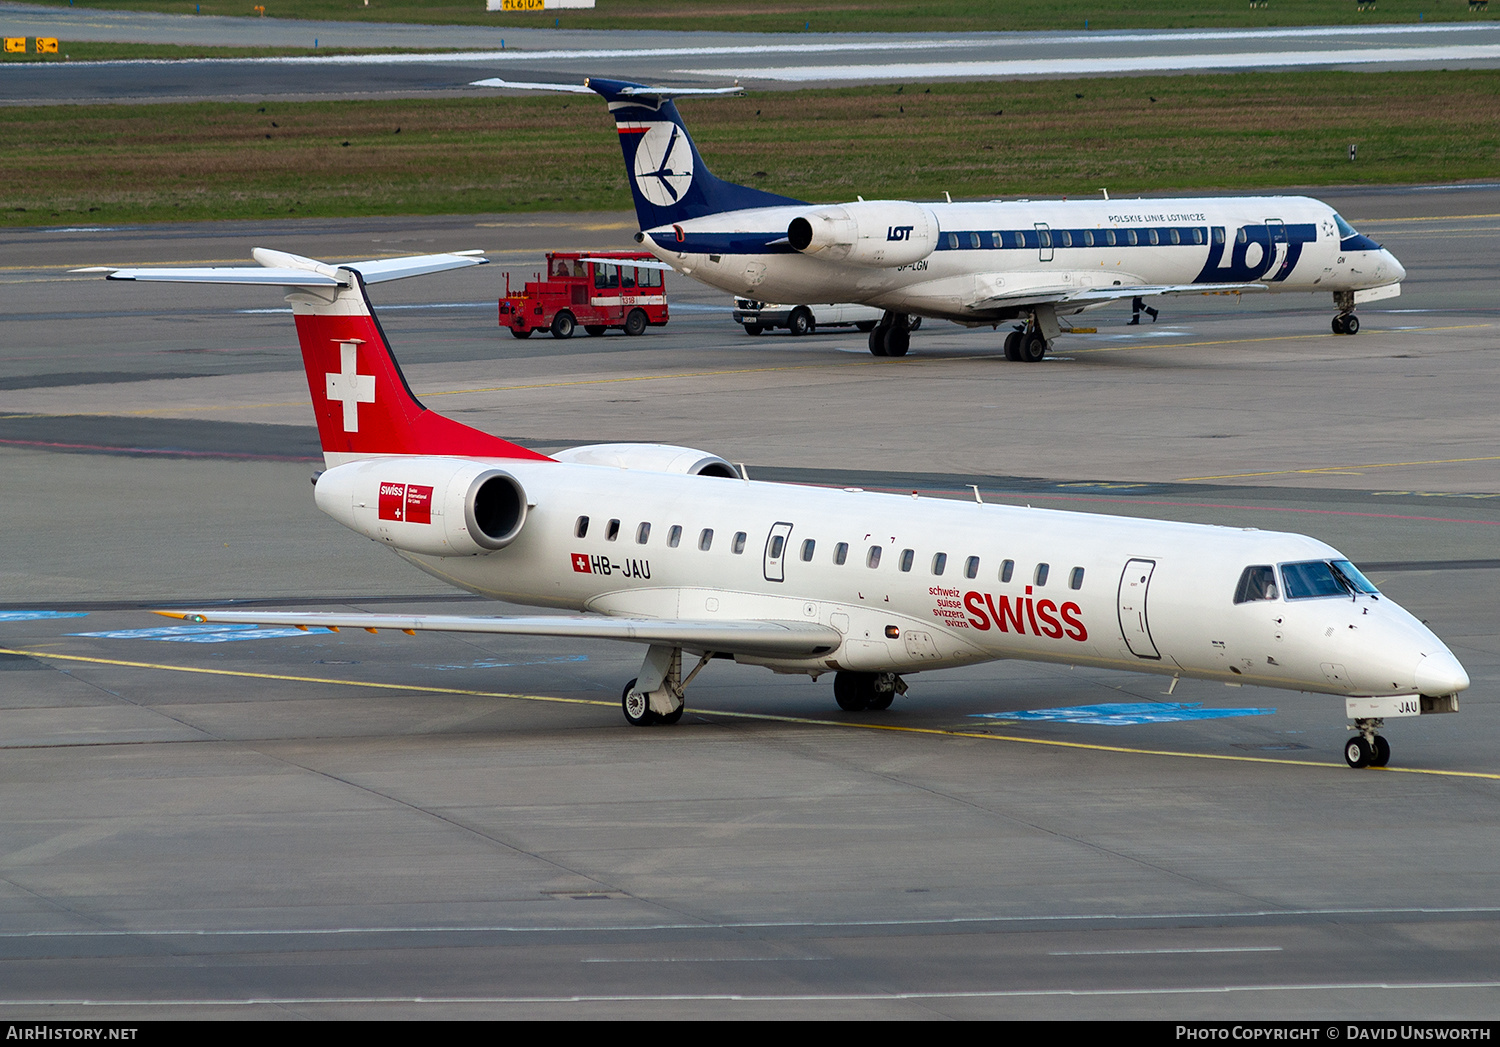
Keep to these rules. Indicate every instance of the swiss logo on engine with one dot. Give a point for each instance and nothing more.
(409, 502)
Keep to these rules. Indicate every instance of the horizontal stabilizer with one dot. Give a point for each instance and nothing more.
(279, 269)
(728, 637)
(631, 91)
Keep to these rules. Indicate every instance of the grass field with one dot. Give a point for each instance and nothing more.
(829, 16)
(1048, 137)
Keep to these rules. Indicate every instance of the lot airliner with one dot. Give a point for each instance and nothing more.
(671, 548)
(1026, 262)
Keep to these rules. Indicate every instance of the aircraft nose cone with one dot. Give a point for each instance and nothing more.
(1395, 268)
(1441, 673)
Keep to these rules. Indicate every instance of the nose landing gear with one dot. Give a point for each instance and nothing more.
(1345, 322)
(1367, 749)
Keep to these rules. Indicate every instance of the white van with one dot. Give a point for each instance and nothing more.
(804, 319)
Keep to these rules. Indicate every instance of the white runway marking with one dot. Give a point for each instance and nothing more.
(1092, 66)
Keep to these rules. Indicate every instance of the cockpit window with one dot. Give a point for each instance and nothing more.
(1324, 578)
(1345, 229)
(1256, 583)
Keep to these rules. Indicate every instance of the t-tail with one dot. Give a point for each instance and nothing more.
(668, 179)
(363, 404)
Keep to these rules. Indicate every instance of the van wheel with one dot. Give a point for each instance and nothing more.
(753, 328)
(636, 322)
(594, 330)
(520, 332)
(801, 321)
(563, 324)
(866, 327)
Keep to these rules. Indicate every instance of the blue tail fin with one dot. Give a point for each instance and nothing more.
(668, 179)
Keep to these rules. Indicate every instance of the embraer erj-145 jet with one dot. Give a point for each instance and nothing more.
(977, 264)
(669, 547)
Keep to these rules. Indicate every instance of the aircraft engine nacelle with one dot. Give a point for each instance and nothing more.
(652, 458)
(875, 233)
(433, 506)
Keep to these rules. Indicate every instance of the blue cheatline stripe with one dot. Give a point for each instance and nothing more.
(31, 616)
(203, 633)
(1119, 714)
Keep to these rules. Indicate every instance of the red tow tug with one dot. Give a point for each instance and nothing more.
(594, 290)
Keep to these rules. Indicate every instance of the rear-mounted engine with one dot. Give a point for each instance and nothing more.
(652, 458)
(433, 506)
(875, 233)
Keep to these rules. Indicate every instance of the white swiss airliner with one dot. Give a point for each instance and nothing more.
(670, 548)
(978, 264)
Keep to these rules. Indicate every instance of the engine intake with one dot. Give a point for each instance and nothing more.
(879, 234)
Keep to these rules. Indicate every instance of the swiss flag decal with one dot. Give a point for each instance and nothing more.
(581, 563)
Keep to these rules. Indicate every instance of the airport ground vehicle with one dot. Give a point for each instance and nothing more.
(593, 290)
(673, 548)
(804, 319)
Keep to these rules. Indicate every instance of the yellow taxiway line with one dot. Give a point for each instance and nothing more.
(763, 717)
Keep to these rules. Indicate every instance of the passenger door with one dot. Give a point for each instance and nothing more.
(1135, 580)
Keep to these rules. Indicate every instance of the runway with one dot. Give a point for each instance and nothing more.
(257, 824)
(759, 61)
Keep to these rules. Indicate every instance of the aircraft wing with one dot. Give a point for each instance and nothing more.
(1069, 293)
(623, 89)
(728, 637)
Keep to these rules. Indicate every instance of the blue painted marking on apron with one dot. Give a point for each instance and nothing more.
(1118, 714)
(32, 616)
(221, 633)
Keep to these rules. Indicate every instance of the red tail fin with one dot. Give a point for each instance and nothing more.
(360, 397)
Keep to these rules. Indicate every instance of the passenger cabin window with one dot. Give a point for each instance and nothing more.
(872, 558)
(1088, 238)
(1176, 236)
(1109, 238)
(907, 556)
(1075, 578)
(807, 550)
(674, 536)
(974, 240)
(1130, 237)
(613, 531)
(1256, 583)
(581, 529)
(953, 241)
(706, 538)
(1066, 237)
(1044, 237)
(939, 563)
(1218, 234)
(642, 534)
(778, 543)
(1242, 236)
(1041, 574)
(739, 543)
(841, 553)
(1007, 569)
(971, 567)
(997, 240)
(1197, 236)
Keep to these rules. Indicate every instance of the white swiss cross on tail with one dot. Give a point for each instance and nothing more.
(348, 386)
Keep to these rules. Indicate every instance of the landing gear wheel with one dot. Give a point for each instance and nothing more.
(877, 340)
(881, 699)
(637, 707)
(563, 324)
(753, 328)
(1357, 753)
(800, 322)
(1382, 753)
(897, 341)
(1033, 347)
(1351, 324)
(518, 332)
(853, 690)
(636, 322)
(594, 330)
(1013, 346)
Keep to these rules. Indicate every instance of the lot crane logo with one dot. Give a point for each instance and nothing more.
(663, 162)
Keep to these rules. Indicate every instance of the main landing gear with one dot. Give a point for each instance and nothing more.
(657, 695)
(1029, 342)
(891, 336)
(1345, 323)
(1367, 749)
(857, 691)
